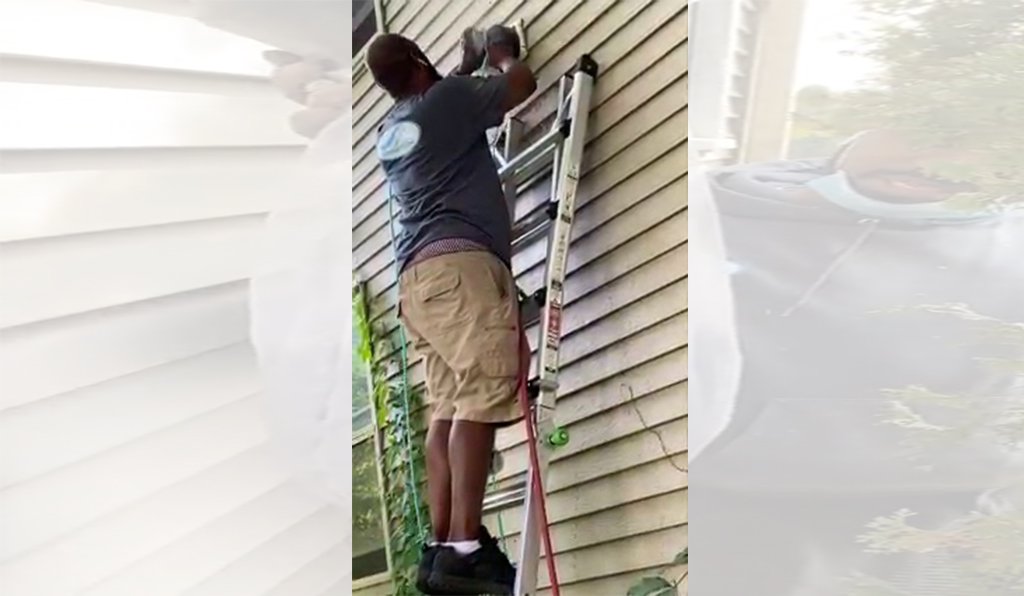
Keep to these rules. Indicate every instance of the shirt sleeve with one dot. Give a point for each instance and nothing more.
(480, 100)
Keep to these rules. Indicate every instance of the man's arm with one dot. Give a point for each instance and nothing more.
(521, 82)
(500, 94)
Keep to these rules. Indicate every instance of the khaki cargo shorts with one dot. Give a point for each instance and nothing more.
(461, 313)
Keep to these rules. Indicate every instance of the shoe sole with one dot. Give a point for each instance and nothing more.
(466, 587)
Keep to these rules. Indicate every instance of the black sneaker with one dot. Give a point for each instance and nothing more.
(425, 567)
(487, 571)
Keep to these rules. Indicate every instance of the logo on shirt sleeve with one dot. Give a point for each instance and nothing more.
(398, 140)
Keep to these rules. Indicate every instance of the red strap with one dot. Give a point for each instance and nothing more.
(531, 441)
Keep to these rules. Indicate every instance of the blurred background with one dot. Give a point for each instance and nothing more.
(140, 152)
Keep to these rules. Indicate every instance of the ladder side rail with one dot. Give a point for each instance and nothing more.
(569, 169)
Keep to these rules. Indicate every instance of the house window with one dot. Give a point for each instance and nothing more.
(364, 24)
(369, 556)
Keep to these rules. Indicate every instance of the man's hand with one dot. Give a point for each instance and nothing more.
(502, 46)
(472, 46)
(503, 54)
(292, 73)
(304, 82)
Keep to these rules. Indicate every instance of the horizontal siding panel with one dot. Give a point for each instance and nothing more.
(55, 278)
(634, 485)
(656, 409)
(591, 435)
(104, 345)
(21, 161)
(627, 520)
(214, 548)
(38, 70)
(613, 231)
(50, 204)
(37, 512)
(381, 588)
(132, 533)
(258, 570)
(104, 416)
(325, 574)
(611, 585)
(650, 553)
(128, 37)
(66, 117)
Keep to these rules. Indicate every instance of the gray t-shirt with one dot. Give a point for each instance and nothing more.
(436, 158)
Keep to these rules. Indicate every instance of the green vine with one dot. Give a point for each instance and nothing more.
(660, 585)
(402, 457)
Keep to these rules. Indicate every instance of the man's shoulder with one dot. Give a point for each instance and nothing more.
(444, 95)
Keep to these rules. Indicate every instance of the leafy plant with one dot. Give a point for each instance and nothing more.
(659, 585)
(951, 75)
(981, 551)
(402, 462)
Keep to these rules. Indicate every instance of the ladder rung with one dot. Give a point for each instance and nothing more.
(534, 226)
(537, 152)
(524, 235)
(532, 171)
(505, 498)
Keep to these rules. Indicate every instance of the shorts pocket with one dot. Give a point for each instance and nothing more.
(499, 356)
(438, 286)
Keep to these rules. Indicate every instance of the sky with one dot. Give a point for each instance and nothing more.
(821, 60)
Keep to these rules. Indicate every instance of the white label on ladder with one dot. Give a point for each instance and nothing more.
(554, 330)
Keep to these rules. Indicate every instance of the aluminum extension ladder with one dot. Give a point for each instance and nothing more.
(559, 153)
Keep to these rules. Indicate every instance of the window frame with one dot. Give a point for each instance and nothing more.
(359, 57)
(360, 438)
(713, 47)
(371, 433)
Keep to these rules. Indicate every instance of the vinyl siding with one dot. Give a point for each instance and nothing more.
(616, 501)
(133, 451)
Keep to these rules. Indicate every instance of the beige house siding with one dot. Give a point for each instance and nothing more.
(617, 503)
(134, 457)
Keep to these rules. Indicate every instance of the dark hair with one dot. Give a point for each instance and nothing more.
(393, 61)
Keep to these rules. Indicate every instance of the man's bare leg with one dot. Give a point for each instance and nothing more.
(469, 455)
(439, 478)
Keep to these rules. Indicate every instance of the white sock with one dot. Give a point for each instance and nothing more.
(465, 547)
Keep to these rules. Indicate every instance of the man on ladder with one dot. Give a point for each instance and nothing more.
(458, 299)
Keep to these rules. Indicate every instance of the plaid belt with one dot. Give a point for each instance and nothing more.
(445, 246)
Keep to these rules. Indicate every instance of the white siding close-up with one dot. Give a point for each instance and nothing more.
(617, 492)
(139, 154)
